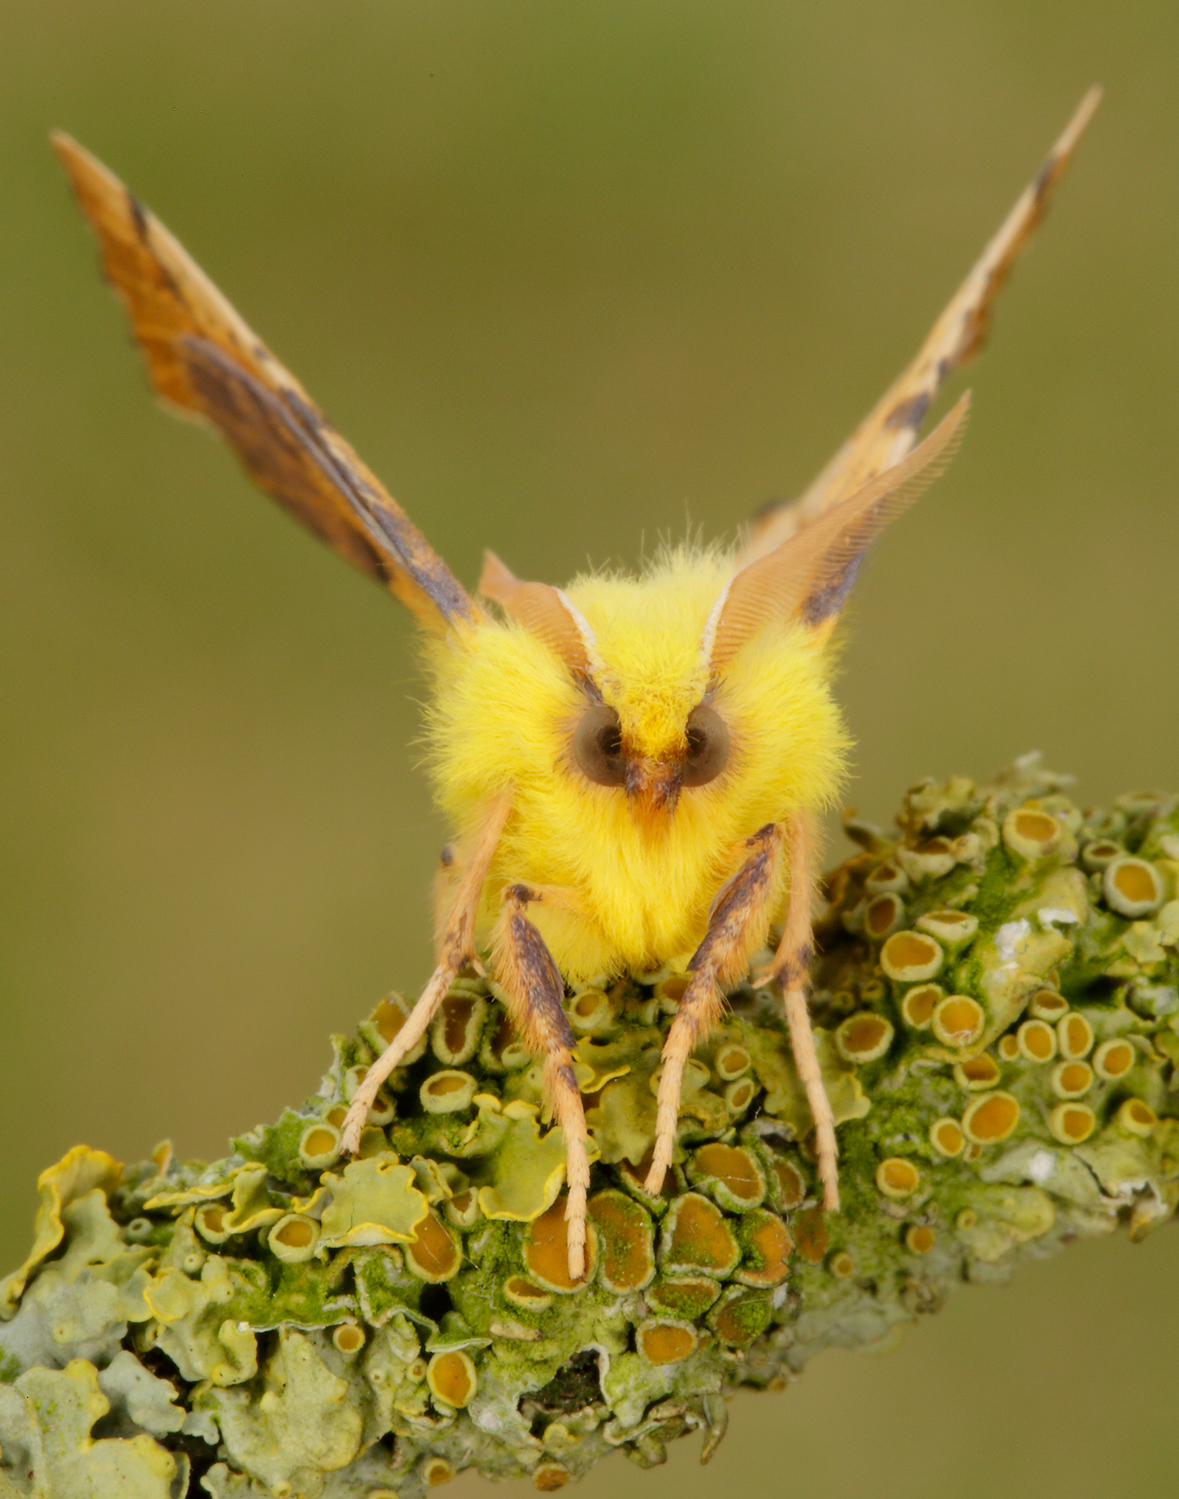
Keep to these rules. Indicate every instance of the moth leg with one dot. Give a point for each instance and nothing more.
(525, 969)
(738, 924)
(789, 972)
(455, 947)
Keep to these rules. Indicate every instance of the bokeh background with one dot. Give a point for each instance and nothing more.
(573, 278)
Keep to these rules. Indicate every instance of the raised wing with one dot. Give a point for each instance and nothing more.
(890, 430)
(204, 360)
(808, 576)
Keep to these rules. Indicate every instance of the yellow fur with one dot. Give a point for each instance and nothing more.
(503, 710)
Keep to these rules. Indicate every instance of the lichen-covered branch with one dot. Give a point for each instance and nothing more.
(997, 996)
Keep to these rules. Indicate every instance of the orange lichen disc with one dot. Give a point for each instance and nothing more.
(1132, 887)
(389, 1017)
(990, 1118)
(732, 1168)
(665, 1342)
(1030, 833)
(910, 956)
(918, 1005)
(810, 1235)
(883, 915)
(1113, 1059)
(959, 1021)
(1072, 1123)
(1036, 1041)
(977, 1072)
(1137, 1117)
(768, 1246)
(452, 1378)
(1072, 1079)
(349, 1338)
(791, 1187)
(546, 1250)
(432, 1254)
(897, 1177)
(1046, 1004)
(946, 1137)
(696, 1237)
(628, 1256)
(1074, 1035)
(863, 1037)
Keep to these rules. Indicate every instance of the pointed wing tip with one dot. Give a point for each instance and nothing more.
(1084, 112)
(77, 161)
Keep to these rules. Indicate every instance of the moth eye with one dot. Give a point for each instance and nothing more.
(708, 746)
(597, 746)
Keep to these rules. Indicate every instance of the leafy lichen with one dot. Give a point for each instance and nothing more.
(997, 1002)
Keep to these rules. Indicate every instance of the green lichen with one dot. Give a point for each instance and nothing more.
(264, 1326)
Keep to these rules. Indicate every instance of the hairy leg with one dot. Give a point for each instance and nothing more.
(525, 970)
(455, 948)
(737, 925)
(789, 972)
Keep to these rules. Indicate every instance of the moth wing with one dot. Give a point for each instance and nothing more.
(809, 575)
(205, 361)
(890, 429)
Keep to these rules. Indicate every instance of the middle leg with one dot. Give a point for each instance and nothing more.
(535, 989)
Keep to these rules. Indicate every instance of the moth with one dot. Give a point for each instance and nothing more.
(633, 766)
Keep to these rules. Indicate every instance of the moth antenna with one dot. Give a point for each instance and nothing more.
(544, 611)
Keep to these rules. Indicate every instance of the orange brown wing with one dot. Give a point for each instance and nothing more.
(204, 360)
(890, 430)
(808, 576)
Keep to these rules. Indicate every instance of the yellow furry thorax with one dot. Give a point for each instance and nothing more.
(502, 711)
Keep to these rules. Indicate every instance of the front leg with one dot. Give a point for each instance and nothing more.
(525, 970)
(736, 927)
(455, 948)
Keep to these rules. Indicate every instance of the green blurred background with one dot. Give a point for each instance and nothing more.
(572, 278)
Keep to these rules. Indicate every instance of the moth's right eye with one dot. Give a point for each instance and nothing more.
(597, 746)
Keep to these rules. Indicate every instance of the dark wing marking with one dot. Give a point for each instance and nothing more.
(204, 360)
(890, 430)
(808, 576)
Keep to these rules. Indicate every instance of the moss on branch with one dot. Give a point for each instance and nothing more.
(997, 997)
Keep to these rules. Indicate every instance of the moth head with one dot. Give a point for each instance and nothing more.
(644, 726)
(670, 671)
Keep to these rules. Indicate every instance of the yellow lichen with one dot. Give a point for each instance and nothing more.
(1072, 1123)
(990, 1118)
(1113, 1059)
(1072, 1079)
(1036, 1041)
(1074, 1036)
(897, 1177)
(946, 1137)
(919, 1003)
(958, 1021)
(977, 1073)
(863, 1037)
(909, 957)
(452, 1378)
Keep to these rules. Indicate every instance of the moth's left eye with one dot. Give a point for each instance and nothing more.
(708, 746)
(597, 746)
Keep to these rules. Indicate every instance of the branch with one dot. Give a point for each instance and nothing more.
(997, 1002)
